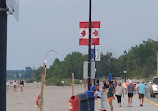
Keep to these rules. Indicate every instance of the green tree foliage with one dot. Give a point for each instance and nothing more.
(38, 73)
(28, 73)
(142, 58)
(72, 63)
(141, 62)
(14, 74)
(21, 74)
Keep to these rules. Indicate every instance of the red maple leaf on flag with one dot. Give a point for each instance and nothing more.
(95, 33)
(83, 33)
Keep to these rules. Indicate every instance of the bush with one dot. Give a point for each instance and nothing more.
(69, 81)
(57, 82)
(76, 81)
(31, 80)
(54, 82)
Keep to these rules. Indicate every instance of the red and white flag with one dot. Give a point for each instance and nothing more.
(84, 33)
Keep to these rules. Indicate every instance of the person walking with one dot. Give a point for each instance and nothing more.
(15, 86)
(119, 91)
(141, 91)
(21, 85)
(104, 86)
(97, 84)
(7, 86)
(130, 90)
(110, 94)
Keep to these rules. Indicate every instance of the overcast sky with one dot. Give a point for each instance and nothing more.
(54, 24)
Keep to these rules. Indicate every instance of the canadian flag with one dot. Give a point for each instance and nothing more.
(84, 33)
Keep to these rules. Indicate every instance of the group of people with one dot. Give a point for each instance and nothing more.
(15, 86)
(117, 90)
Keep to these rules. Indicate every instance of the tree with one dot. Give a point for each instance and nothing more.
(29, 73)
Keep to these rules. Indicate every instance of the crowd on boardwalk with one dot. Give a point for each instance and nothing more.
(118, 90)
(15, 85)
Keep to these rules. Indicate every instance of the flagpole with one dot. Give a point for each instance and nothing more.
(89, 48)
(95, 66)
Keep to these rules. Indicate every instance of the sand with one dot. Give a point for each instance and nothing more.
(55, 98)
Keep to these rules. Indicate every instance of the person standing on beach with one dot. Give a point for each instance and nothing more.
(119, 92)
(7, 86)
(97, 83)
(15, 86)
(141, 91)
(21, 85)
(130, 90)
(110, 94)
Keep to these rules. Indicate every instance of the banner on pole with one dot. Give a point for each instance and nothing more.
(110, 76)
(97, 55)
(92, 54)
(84, 33)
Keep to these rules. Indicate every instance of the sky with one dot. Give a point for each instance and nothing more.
(54, 25)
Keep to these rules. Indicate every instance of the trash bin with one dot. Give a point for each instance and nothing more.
(91, 100)
(83, 97)
(74, 103)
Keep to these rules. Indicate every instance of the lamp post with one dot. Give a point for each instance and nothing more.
(43, 77)
(89, 47)
(46, 59)
(125, 72)
(47, 54)
(109, 61)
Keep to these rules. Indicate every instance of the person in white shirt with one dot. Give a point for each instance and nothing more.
(7, 86)
(15, 86)
(118, 93)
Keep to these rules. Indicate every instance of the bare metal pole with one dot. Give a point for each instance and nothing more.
(125, 72)
(3, 54)
(89, 48)
(95, 65)
(125, 69)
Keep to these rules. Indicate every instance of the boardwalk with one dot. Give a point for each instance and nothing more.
(135, 105)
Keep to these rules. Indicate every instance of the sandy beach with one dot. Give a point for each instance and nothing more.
(55, 98)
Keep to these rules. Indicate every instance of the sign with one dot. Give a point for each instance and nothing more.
(85, 70)
(92, 54)
(13, 6)
(110, 76)
(97, 55)
(84, 33)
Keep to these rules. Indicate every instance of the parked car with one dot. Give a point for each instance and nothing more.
(154, 87)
